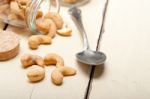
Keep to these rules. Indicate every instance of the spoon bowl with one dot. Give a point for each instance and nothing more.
(91, 57)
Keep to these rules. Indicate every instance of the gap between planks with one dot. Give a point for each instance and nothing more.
(5, 26)
(102, 30)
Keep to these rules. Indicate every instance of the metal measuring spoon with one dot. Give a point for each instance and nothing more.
(86, 56)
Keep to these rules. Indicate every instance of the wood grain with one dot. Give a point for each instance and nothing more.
(126, 44)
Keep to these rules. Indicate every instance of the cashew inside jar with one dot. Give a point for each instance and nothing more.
(22, 13)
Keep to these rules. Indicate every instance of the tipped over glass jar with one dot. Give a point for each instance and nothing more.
(73, 2)
(23, 13)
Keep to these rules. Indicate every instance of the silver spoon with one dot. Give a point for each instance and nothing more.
(86, 56)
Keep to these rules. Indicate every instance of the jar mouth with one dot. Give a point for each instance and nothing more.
(32, 10)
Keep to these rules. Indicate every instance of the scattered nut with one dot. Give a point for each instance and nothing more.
(64, 32)
(56, 18)
(54, 59)
(59, 73)
(35, 40)
(61, 70)
(35, 73)
(29, 60)
(70, 1)
(57, 77)
(67, 71)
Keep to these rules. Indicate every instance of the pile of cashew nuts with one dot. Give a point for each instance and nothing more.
(11, 10)
(49, 24)
(36, 70)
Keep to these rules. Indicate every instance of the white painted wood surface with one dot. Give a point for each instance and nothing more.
(13, 81)
(126, 42)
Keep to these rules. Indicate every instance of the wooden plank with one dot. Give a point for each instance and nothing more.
(126, 44)
(13, 76)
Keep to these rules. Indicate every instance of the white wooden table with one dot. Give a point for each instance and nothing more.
(125, 74)
(126, 41)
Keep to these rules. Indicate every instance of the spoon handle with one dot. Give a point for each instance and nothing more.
(76, 15)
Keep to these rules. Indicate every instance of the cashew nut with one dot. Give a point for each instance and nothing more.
(35, 40)
(47, 26)
(3, 8)
(43, 25)
(14, 8)
(22, 2)
(21, 15)
(12, 16)
(52, 29)
(64, 32)
(56, 18)
(70, 1)
(5, 1)
(39, 14)
(54, 59)
(35, 73)
(59, 73)
(29, 60)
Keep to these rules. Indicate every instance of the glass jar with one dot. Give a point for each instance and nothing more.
(23, 13)
(73, 2)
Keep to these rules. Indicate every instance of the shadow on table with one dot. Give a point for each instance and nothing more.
(98, 71)
(86, 69)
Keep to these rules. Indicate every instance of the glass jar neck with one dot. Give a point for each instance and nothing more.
(31, 10)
